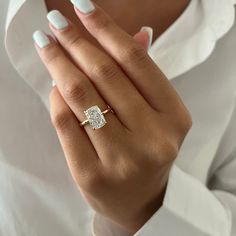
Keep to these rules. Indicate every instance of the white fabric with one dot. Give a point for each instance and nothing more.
(38, 195)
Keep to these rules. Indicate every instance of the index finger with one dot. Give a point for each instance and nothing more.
(130, 55)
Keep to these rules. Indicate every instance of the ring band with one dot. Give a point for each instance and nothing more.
(95, 117)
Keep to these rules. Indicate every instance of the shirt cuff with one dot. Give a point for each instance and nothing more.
(189, 208)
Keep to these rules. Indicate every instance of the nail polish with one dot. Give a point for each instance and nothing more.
(57, 19)
(85, 6)
(41, 38)
(149, 30)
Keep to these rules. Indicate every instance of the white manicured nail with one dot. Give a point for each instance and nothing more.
(53, 83)
(41, 38)
(57, 19)
(149, 30)
(85, 6)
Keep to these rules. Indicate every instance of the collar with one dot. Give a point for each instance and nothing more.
(22, 20)
(189, 41)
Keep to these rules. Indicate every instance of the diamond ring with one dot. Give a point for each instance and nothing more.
(95, 117)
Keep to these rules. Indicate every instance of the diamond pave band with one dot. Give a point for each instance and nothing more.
(95, 117)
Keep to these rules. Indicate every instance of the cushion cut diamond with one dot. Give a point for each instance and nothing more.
(95, 117)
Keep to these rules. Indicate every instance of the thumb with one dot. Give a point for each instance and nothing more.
(144, 37)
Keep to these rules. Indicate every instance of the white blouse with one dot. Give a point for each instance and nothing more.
(38, 196)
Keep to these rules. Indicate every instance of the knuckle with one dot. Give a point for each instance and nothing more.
(170, 151)
(103, 70)
(52, 56)
(185, 122)
(76, 90)
(134, 53)
(62, 120)
(164, 153)
(101, 22)
(188, 121)
(75, 40)
(129, 169)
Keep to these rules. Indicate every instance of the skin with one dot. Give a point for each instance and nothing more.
(130, 16)
(121, 169)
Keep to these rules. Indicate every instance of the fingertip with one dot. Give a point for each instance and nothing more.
(149, 31)
(41, 39)
(84, 7)
(143, 39)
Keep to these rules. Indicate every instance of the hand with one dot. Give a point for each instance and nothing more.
(121, 169)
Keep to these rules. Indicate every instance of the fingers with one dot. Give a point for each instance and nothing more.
(104, 72)
(77, 90)
(131, 56)
(79, 152)
(144, 37)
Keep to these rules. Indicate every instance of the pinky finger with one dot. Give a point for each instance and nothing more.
(80, 155)
(144, 37)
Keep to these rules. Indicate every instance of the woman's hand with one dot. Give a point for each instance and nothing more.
(122, 168)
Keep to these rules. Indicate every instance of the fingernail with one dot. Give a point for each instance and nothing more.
(149, 30)
(85, 6)
(41, 38)
(53, 83)
(57, 19)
